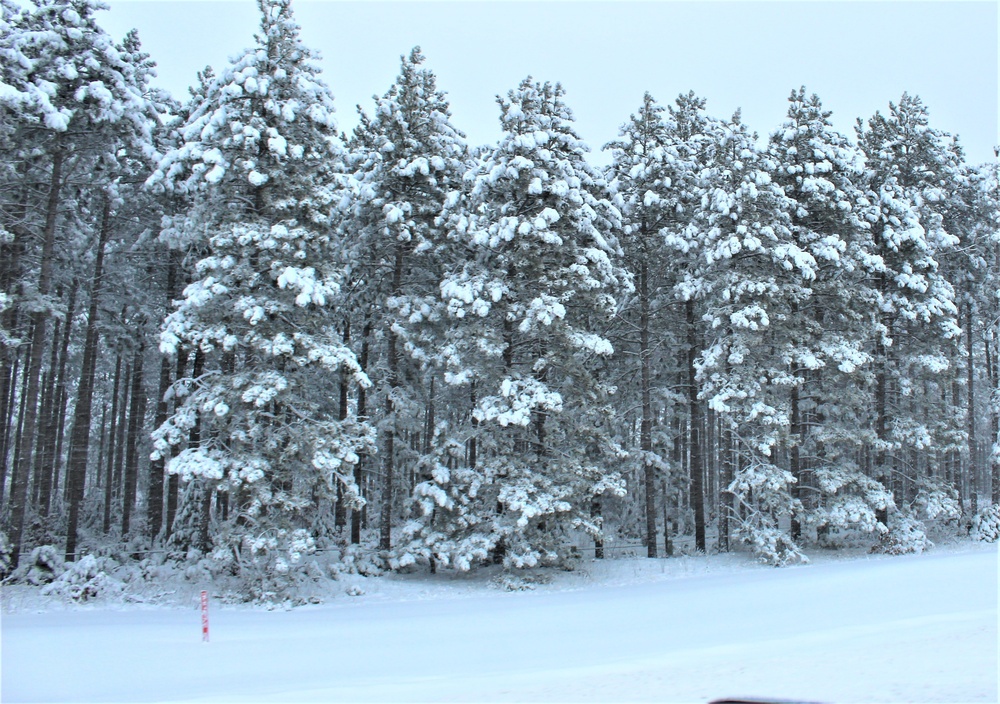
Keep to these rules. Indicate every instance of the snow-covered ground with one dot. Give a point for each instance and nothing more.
(869, 629)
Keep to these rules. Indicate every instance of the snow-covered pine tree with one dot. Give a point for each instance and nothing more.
(915, 324)
(406, 157)
(827, 321)
(261, 417)
(529, 307)
(750, 271)
(650, 179)
(694, 135)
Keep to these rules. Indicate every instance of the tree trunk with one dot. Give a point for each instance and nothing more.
(726, 496)
(595, 513)
(339, 512)
(473, 440)
(794, 461)
(881, 421)
(10, 357)
(61, 401)
(991, 370)
(646, 425)
(174, 482)
(194, 440)
(973, 469)
(112, 438)
(55, 417)
(154, 501)
(10, 401)
(136, 417)
(358, 514)
(119, 460)
(696, 422)
(19, 488)
(389, 461)
(76, 468)
(18, 434)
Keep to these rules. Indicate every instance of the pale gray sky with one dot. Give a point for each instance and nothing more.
(856, 55)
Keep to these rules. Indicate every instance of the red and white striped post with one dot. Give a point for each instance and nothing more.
(204, 616)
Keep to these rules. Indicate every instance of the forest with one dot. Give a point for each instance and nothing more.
(232, 335)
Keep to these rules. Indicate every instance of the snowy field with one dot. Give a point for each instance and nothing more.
(869, 629)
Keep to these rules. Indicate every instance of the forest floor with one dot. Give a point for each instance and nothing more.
(848, 627)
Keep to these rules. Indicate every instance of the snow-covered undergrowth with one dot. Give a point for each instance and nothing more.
(848, 627)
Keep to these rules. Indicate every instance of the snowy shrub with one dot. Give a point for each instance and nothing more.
(519, 582)
(268, 566)
(937, 501)
(849, 505)
(771, 545)
(986, 524)
(44, 564)
(85, 579)
(906, 534)
(763, 491)
(356, 560)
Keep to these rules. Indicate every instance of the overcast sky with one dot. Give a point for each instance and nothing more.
(857, 56)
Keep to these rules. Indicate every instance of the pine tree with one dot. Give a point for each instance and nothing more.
(751, 271)
(262, 308)
(827, 320)
(650, 179)
(916, 319)
(407, 157)
(529, 306)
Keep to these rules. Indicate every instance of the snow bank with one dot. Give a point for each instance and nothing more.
(876, 629)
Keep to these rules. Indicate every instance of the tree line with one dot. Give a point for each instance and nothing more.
(230, 330)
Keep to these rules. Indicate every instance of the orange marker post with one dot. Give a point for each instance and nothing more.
(204, 616)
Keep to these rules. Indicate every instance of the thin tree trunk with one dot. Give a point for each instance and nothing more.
(881, 422)
(136, 416)
(49, 457)
(991, 371)
(339, 511)
(795, 466)
(389, 461)
(76, 469)
(971, 413)
(44, 406)
(112, 438)
(726, 496)
(18, 434)
(595, 513)
(646, 425)
(696, 422)
(473, 439)
(9, 389)
(61, 402)
(194, 440)
(19, 488)
(154, 501)
(174, 482)
(123, 424)
(10, 357)
(358, 514)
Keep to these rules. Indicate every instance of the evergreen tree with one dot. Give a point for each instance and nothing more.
(651, 180)
(906, 176)
(529, 307)
(827, 320)
(406, 158)
(260, 420)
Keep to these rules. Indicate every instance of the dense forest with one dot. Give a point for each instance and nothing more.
(231, 333)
